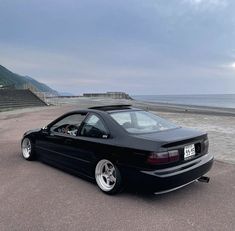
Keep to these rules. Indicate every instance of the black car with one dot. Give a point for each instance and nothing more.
(119, 145)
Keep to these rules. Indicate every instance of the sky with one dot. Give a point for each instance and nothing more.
(145, 47)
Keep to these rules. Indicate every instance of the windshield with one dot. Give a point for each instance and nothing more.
(141, 122)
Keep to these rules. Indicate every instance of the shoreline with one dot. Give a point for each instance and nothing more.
(184, 108)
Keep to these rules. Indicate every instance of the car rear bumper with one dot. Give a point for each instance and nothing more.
(169, 179)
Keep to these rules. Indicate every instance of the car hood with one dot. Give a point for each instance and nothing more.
(171, 135)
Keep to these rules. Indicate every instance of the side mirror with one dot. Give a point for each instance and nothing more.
(45, 130)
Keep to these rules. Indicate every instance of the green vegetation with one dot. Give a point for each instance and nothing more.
(9, 78)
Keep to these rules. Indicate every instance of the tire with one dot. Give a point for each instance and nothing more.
(27, 149)
(108, 177)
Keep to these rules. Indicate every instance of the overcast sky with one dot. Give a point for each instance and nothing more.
(137, 46)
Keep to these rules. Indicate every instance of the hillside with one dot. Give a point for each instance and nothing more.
(9, 78)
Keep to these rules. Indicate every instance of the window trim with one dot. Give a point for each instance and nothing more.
(61, 118)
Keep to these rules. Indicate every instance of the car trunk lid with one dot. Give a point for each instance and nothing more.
(172, 135)
(182, 139)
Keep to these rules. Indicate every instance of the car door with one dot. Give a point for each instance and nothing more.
(93, 138)
(61, 146)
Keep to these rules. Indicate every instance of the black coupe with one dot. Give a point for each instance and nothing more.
(120, 145)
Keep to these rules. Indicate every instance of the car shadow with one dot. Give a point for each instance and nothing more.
(184, 192)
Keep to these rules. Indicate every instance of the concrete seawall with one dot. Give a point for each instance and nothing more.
(113, 95)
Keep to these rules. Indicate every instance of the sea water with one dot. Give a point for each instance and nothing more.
(215, 100)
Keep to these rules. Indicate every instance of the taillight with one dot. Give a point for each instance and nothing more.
(206, 146)
(163, 157)
(174, 155)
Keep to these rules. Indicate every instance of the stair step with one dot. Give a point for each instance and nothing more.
(18, 98)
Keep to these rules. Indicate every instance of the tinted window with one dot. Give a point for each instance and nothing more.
(94, 127)
(141, 121)
(69, 125)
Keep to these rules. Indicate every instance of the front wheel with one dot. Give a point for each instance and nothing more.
(108, 177)
(27, 149)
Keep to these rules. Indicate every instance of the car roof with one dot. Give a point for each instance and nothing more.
(104, 109)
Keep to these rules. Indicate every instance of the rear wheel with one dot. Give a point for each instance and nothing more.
(27, 149)
(108, 177)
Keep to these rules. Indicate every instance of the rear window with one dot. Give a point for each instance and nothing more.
(141, 122)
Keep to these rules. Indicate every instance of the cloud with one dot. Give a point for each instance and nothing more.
(207, 4)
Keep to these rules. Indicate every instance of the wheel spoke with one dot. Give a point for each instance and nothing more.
(106, 167)
(108, 181)
(112, 169)
(112, 178)
(105, 175)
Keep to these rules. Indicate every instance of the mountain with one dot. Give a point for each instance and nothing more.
(9, 78)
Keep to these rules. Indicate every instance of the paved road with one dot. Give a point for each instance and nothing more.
(34, 196)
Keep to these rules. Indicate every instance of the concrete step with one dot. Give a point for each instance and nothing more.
(19, 98)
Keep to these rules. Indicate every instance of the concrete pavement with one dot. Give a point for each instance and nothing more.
(35, 196)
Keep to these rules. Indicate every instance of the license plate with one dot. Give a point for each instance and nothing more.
(189, 151)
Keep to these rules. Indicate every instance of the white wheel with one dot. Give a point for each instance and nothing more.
(27, 149)
(107, 176)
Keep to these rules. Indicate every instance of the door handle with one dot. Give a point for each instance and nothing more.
(67, 141)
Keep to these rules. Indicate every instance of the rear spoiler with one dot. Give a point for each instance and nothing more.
(181, 142)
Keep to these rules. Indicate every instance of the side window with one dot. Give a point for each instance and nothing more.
(69, 125)
(94, 127)
(144, 121)
(123, 119)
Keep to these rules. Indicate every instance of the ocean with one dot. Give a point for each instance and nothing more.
(218, 100)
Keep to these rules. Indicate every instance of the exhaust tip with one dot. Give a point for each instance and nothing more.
(204, 179)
